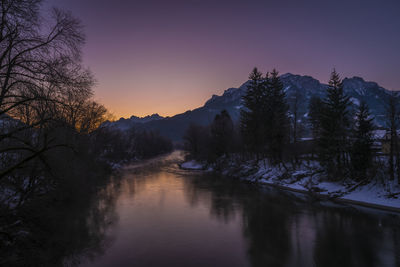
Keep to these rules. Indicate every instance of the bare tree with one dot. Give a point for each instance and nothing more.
(42, 80)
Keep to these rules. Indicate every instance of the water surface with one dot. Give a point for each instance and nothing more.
(164, 216)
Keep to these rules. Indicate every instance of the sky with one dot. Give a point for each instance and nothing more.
(167, 57)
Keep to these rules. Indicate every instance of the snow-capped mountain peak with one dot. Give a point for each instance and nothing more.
(303, 87)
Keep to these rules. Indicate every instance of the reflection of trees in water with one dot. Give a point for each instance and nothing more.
(266, 227)
(223, 197)
(344, 239)
(396, 245)
(265, 221)
(281, 230)
(57, 232)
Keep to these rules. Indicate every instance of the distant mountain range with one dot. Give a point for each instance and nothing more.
(303, 86)
(125, 124)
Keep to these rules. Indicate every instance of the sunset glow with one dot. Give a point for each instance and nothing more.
(171, 56)
(199, 133)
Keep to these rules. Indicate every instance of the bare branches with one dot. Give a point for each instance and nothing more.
(43, 85)
(29, 55)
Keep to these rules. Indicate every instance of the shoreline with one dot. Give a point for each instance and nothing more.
(340, 200)
(328, 198)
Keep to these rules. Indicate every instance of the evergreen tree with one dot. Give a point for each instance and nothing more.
(251, 114)
(264, 120)
(277, 120)
(361, 152)
(335, 125)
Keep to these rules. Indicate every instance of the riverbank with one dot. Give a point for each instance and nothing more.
(343, 200)
(307, 178)
(207, 217)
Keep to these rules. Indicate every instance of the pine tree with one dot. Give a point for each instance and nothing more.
(278, 123)
(361, 152)
(264, 119)
(251, 114)
(335, 126)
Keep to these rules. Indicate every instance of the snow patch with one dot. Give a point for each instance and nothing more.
(309, 178)
(192, 165)
(355, 101)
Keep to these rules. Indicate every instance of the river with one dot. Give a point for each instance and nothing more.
(164, 216)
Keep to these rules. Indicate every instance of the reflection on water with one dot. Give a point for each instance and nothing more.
(64, 226)
(89, 226)
(169, 217)
(79, 230)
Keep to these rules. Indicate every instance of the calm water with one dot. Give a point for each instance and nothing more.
(163, 216)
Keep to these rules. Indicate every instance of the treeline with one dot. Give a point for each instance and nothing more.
(123, 146)
(212, 142)
(269, 129)
(52, 148)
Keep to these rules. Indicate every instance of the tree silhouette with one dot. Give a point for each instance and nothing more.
(361, 152)
(335, 125)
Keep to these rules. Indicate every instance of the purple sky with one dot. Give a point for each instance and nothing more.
(169, 56)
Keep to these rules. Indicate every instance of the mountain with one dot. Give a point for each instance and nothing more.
(126, 124)
(303, 86)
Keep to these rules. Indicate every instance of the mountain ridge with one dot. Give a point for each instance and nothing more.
(303, 86)
(125, 124)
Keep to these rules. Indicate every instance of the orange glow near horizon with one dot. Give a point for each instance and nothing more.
(156, 95)
(167, 57)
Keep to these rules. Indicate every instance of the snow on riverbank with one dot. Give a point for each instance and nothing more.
(308, 178)
(192, 165)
